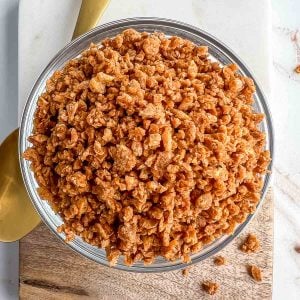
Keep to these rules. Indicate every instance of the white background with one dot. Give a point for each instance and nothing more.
(285, 107)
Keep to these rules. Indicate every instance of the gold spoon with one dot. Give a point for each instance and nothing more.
(17, 214)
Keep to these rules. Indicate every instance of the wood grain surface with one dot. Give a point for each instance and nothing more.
(50, 270)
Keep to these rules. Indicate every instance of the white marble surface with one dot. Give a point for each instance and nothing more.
(285, 107)
(242, 24)
(8, 121)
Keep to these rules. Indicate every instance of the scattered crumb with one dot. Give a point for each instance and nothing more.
(220, 260)
(297, 69)
(255, 272)
(186, 271)
(251, 244)
(297, 248)
(210, 287)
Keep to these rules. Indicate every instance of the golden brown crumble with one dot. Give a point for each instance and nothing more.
(145, 147)
(210, 287)
(255, 272)
(297, 69)
(220, 260)
(186, 271)
(251, 244)
(297, 248)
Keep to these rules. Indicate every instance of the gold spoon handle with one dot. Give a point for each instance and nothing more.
(89, 15)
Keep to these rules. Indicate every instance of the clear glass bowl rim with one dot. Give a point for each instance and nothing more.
(120, 25)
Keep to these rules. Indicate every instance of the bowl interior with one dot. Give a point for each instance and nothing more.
(217, 51)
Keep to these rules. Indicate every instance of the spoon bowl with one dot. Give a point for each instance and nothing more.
(17, 214)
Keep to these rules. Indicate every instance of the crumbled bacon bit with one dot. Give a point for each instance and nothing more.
(210, 287)
(251, 244)
(297, 248)
(220, 260)
(147, 148)
(186, 271)
(255, 272)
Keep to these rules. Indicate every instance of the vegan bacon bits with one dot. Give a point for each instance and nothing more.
(210, 287)
(185, 272)
(145, 147)
(251, 244)
(297, 69)
(220, 261)
(255, 272)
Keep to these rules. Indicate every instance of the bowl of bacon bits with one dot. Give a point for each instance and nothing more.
(146, 145)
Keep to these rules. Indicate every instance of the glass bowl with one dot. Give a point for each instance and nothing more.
(217, 51)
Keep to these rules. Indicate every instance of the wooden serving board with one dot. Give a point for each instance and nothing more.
(50, 270)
